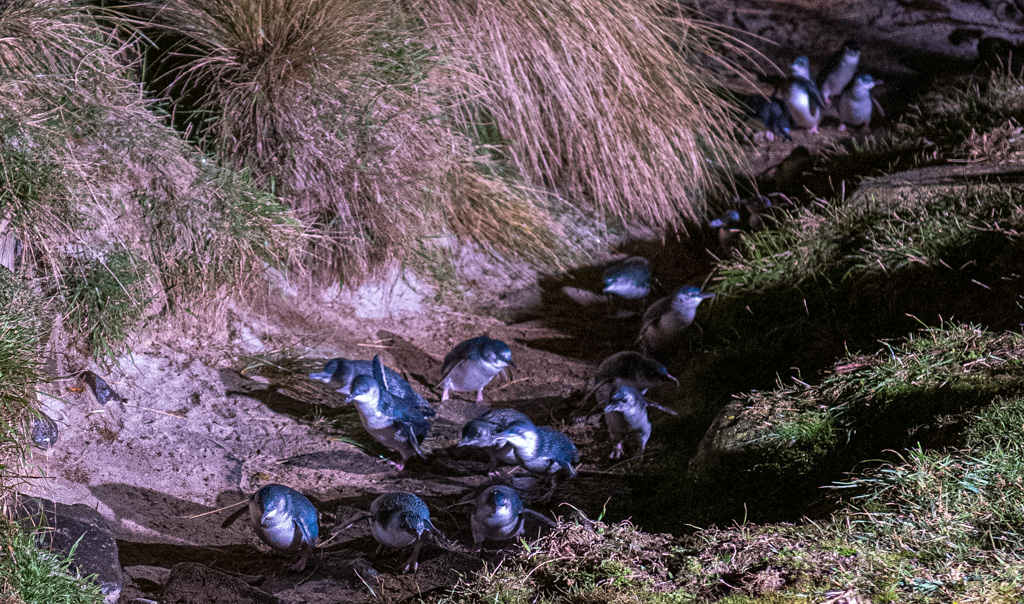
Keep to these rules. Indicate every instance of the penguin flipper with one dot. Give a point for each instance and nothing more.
(661, 408)
(407, 432)
(540, 517)
(379, 374)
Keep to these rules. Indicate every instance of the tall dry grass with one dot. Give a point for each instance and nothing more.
(366, 116)
(608, 101)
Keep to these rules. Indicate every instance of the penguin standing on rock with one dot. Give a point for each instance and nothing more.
(283, 519)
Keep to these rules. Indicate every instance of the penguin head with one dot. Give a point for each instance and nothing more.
(866, 81)
(519, 433)
(496, 352)
(328, 372)
(501, 500)
(476, 433)
(692, 293)
(851, 47)
(364, 390)
(624, 398)
(412, 523)
(801, 67)
(273, 505)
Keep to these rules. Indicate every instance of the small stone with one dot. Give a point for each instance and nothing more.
(100, 388)
(43, 431)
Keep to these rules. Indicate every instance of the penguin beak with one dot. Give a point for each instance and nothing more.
(706, 295)
(321, 376)
(511, 364)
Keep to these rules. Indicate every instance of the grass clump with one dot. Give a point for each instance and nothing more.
(24, 329)
(118, 216)
(959, 122)
(842, 276)
(589, 562)
(31, 575)
(767, 455)
(106, 297)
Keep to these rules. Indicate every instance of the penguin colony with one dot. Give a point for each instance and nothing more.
(803, 101)
(399, 418)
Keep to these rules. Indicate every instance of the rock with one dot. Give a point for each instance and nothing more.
(43, 431)
(100, 388)
(730, 436)
(193, 583)
(96, 550)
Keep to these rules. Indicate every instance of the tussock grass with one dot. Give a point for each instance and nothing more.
(384, 124)
(333, 104)
(31, 575)
(605, 100)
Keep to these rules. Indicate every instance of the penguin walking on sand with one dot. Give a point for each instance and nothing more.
(472, 364)
(283, 519)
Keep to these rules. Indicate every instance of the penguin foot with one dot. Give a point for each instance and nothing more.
(842, 127)
(300, 566)
(413, 563)
(813, 130)
(617, 451)
(479, 396)
(444, 395)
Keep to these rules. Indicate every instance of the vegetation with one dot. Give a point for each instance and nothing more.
(388, 126)
(30, 575)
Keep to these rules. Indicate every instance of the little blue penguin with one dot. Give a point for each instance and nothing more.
(839, 70)
(498, 516)
(472, 364)
(802, 97)
(772, 112)
(341, 372)
(628, 278)
(481, 432)
(284, 519)
(669, 316)
(631, 368)
(401, 519)
(626, 416)
(542, 450)
(856, 103)
(393, 422)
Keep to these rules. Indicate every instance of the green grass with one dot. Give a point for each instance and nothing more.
(31, 575)
(106, 298)
(24, 329)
